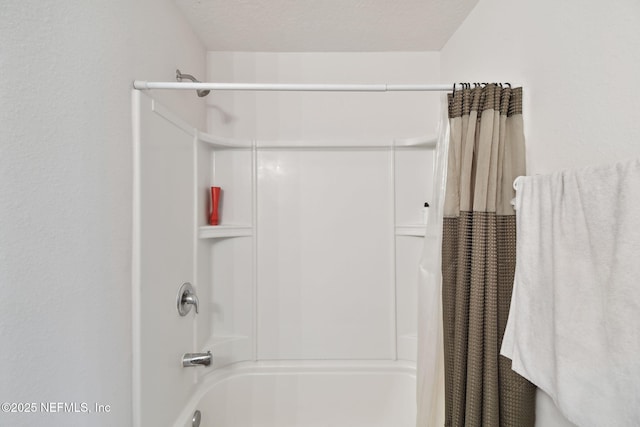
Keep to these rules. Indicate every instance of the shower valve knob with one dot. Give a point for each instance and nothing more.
(186, 299)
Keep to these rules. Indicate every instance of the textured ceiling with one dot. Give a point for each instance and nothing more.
(325, 25)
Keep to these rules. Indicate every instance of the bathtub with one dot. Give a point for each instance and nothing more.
(306, 394)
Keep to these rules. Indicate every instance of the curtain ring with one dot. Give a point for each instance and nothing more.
(509, 84)
(515, 182)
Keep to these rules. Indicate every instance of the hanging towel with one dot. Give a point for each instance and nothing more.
(574, 324)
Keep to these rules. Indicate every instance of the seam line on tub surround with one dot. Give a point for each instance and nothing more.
(311, 367)
(294, 367)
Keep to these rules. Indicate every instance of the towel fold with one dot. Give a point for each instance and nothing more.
(574, 323)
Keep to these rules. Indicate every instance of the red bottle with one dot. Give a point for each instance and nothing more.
(214, 218)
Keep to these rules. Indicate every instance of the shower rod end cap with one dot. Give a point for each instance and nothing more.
(140, 85)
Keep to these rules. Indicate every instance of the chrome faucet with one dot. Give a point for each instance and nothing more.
(196, 359)
(186, 299)
(190, 298)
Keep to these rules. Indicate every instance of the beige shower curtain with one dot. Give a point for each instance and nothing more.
(486, 154)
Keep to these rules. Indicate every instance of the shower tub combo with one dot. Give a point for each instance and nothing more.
(305, 292)
(305, 395)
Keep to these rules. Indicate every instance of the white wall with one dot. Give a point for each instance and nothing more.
(578, 63)
(338, 117)
(65, 194)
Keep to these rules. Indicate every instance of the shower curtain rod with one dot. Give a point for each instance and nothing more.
(304, 87)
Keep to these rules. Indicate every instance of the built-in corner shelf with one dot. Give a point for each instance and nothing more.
(221, 231)
(416, 142)
(221, 143)
(416, 230)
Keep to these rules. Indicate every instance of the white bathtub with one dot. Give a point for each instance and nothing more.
(306, 394)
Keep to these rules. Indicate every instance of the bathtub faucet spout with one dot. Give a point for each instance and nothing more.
(196, 359)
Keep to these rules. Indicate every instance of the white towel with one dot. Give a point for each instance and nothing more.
(574, 324)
